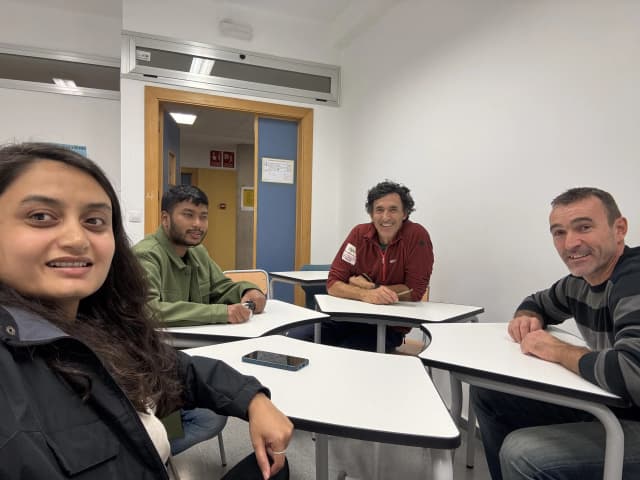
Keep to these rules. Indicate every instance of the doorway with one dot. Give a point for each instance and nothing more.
(216, 135)
(154, 96)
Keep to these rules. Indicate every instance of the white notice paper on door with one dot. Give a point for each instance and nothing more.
(277, 170)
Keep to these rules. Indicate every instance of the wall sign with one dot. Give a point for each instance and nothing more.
(228, 160)
(81, 149)
(222, 159)
(246, 199)
(215, 158)
(277, 170)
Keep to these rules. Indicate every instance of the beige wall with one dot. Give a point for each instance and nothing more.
(244, 226)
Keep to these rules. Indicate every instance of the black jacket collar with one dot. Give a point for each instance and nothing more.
(21, 327)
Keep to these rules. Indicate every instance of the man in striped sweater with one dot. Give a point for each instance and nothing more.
(534, 440)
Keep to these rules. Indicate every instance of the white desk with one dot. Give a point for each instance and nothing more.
(277, 316)
(300, 277)
(340, 393)
(483, 354)
(401, 313)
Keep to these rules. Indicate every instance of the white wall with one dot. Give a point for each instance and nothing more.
(60, 118)
(48, 117)
(487, 110)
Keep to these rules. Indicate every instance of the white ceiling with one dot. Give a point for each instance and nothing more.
(105, 8)
(315, 10)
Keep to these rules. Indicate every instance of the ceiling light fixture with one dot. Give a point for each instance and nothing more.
(183, 118)
(241, 31)
(62, 82)
(201, 66)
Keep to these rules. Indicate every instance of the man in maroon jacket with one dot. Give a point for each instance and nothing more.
(381, 262)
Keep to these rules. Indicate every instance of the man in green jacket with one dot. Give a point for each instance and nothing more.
(186, 286)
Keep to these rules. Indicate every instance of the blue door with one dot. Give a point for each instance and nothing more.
(276, 202)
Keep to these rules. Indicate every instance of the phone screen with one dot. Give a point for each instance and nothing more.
(280, 360)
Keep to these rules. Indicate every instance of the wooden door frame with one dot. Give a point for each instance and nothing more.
(154, 96)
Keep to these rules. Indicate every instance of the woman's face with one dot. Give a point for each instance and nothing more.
(56, 236)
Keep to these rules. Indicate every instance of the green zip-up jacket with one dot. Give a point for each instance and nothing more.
(193, 291)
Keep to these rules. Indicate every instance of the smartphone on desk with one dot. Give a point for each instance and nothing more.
(276, 360)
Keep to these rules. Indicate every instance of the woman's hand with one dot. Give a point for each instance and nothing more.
(270, 432)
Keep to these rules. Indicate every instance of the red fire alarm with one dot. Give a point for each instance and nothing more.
(222, 206)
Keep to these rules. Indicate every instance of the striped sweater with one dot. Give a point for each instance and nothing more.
(608, 316)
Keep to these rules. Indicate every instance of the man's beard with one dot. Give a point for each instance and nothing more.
(178, 238)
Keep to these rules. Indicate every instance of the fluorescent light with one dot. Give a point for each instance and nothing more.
(202, 66)
(183, 118)
(62, 82)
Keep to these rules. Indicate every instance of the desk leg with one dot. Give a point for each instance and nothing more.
(322, 457)
(456, 399)
(381, 337)
(456, 413)
(614, 448)
(441, 464)
(614, 443)
(317, 332)
(471, 436)
(376, 460)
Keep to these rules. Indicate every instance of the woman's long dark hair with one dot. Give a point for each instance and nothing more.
(115, 321)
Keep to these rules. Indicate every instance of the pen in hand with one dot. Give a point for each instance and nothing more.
(368, 279)
(250, 304)
(404, 292)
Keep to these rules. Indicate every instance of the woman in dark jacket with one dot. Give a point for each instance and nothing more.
(84, 374)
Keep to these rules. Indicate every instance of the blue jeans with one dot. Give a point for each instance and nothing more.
(529, 439)
(199, 424)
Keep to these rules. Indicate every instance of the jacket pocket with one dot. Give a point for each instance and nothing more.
(83, 447)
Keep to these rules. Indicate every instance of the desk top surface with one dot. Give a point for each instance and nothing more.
(486, 350)
(349, 393)
(302, 275)
(277, 316)
(416, 312)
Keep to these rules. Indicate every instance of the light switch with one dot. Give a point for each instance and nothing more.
(135, 216)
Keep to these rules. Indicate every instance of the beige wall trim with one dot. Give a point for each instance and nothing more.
(154, 96)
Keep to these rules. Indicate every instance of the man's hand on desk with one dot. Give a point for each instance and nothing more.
(238, 313)
(380, 296)
(257, 297)
(522, 324)
(547, 347)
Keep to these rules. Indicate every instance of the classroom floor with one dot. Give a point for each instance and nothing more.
(202, 462)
